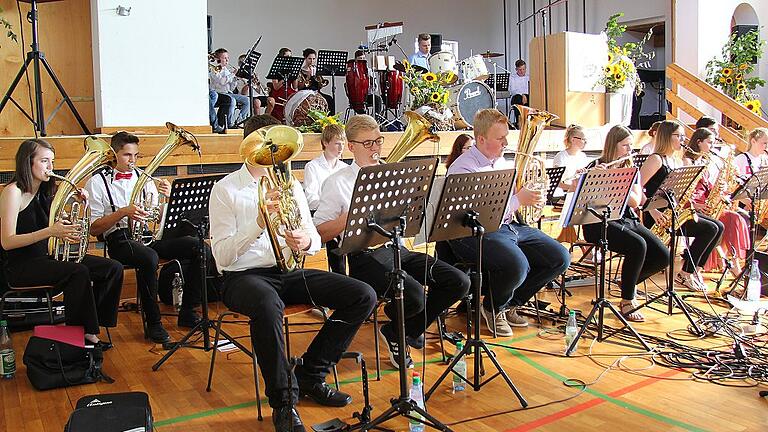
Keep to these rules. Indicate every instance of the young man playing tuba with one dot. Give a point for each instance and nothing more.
(111, 213)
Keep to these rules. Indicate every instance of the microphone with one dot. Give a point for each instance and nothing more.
(392, 42)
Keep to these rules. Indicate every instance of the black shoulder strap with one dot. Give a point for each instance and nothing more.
(103, 174)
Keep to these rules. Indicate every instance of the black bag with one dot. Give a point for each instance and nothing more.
(111, 412)
(52, 364)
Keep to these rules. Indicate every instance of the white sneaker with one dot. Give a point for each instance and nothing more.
(497, 322)
(514, 319)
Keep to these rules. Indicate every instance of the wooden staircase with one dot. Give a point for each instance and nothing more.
(682, 79)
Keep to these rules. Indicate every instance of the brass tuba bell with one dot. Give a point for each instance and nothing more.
(418, 130)
(273, 148)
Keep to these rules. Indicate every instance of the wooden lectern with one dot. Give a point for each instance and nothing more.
(574, 64)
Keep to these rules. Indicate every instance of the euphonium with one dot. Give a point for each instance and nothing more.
(148, 230)
(273, 148)
(67, 206)
(530, 172)
(417, 131)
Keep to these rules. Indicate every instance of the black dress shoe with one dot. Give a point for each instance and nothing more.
(189, 318)
(324, 394)
(286, 419)
(157, 333)
(104, 345)
(415, 342)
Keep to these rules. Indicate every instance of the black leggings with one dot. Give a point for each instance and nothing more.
(706, 233)
(644, 254)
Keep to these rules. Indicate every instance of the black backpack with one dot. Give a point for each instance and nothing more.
(112, 412)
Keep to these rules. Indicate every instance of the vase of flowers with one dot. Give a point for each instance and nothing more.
(730, 72)
(429, 95)
(320, 119)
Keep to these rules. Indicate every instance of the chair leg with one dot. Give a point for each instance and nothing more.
(287, 337)
(2, 304)
(213, 354)
(536, 308)
(376, 341)
(440, 331)
(109, 336)
(256, 380)
(50, 308)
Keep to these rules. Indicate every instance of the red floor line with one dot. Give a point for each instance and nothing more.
(589, 404)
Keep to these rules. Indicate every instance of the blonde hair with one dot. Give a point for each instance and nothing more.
(664, 136)
(615, 135)
(570, 132)
(331, 132)
(486, 118)
(360, 123)
(756, 134)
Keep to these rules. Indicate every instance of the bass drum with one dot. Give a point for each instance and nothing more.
(444, 61)
(466, 100)
(299, 105)
(391, 88)
(357, 83)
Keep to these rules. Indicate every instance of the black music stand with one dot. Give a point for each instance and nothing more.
(755, 188)
(639, 159)
(555, 176)
(676, 184)
(388, 204)
(188, 204)
(503, 83)
(601, 196)
(247, 69)
(37, 57)
(468, 204)
(285, 69)
(333, 64)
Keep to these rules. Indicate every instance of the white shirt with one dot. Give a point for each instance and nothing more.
(121, 194)
(336, 194)
(745, 160)
(315, 173)
(572, 163)
(420, 59)
(223, 81)
(518, 84)
(648, 148)
(237, 240)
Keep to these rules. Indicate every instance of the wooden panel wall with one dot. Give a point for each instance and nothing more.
(65, 39)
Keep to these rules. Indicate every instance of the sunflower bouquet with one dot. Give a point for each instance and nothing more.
(620, 70)
(429, 95)
(730, 72)
(321, 119)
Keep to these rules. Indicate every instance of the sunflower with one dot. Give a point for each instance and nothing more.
(406, 65)
(610, 57)
(619, 76)
(722, 80)
(608, 69)
(446, 96)
(727, 72)
(753, 105)
(414, 90)
(429, 77)
(435, 97)
(741, 87)
(447, 77)
(743, 66)
(738, 76)
(729, 80)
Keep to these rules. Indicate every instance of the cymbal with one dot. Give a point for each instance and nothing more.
(399, 66)
(489, 54)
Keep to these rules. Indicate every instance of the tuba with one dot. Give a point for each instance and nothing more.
(273, 148)
(530, 172)
(66, 206)
(149, 230)
(418, 130)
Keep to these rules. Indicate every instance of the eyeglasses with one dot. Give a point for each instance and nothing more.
(370, 143)
(581, 138)
(681, 137)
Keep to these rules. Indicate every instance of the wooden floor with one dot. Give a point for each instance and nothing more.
(634, 396)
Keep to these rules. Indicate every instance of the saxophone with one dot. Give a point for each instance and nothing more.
(150, 229)
(530, 172)
(67, 206)
(273, 148)
(687, 212)
(726, 181)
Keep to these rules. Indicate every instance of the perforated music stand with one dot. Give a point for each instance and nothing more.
(333, 64)
(388, 203)
(677, 184)
(555, 176)
(502, 85)
(247, 69)
(468, 204)
(285, 69)
(601, 196)
(639, 159)
(188, 204)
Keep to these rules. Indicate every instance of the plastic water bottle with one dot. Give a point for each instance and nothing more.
(460, 368)
(7, 356)
(571, 330)
(753, 286)
(177, 290)
(417, 395)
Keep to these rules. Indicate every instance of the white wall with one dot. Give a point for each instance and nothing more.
(150, 67)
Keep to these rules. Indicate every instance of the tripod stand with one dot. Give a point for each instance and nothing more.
(35, 57)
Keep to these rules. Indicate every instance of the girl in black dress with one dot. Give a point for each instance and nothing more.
(706, 232)
(644, 254)
(25, 204)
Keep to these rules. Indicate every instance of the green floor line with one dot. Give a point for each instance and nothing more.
(651, 414)
(264, 402)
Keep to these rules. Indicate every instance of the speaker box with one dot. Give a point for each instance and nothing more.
(437, 43)
(762, 263)
(210, 33)
(741, 30)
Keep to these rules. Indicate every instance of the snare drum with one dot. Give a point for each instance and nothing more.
(466, 100)
(357, 83)
(474, 69)
(444, 61)
(299, 105)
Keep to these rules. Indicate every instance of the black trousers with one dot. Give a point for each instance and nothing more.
(145, 259)
(644, 253)
(84, 304)
(518, 100)
(447, 284)
(262, 293)
(706, 233)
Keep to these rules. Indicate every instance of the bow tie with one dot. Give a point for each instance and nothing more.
(123, 176)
